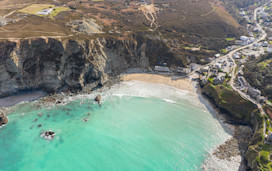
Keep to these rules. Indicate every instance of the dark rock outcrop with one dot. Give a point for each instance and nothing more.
(98, 99)
(53, 65)
(48, 135)
(3, 119)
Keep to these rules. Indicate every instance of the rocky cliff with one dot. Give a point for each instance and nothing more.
(52, 65)
(230, 102)
(3, 119)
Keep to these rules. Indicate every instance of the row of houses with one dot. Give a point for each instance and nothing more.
(246, 87)
(180, 70)
(252, 92)
(244, 40)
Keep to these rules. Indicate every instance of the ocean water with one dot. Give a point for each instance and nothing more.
(140, 126)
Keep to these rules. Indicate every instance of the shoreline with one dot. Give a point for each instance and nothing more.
(230, 152)
(218, 154)
(181, 84)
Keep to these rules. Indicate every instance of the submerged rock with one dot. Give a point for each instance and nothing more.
(85, 120)
(48, 135)
(98, 99)
(3, 119)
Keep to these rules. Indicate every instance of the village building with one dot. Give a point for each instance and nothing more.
(236, 56)
(205, 69)
(244, 38)
(269, 49)
(265, 43)
(162, 69)
(242, 13)
(45, 12)
(269, 137)
(217, 55)
(220, 78)
(193, 66)
(253, 92)
(243, 83)
(217, 65)
(183, 70)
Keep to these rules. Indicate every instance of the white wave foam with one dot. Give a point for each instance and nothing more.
(142, 89)
(214, 163)
(169, 101)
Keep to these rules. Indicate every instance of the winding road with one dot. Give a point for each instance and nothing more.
(231, 83)
(230, 55)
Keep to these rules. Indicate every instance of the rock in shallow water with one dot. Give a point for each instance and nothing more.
(98, 99)
(3, 119)
(48, 135)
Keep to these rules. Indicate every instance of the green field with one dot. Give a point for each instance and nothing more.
(35, 8)
(230, 39)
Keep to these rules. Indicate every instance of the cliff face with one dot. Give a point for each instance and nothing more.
(3, 119)
(51, 65)
(230, 102)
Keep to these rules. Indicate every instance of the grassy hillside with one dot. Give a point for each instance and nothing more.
(230, 101)
(190, 16)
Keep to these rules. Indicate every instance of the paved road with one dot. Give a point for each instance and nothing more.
(231, 83)
(230, 55)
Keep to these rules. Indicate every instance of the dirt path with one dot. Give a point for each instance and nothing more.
(36, 37)
(213, 9)
(12, 12)
(150, 13)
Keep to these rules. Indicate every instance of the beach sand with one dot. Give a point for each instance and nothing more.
(183, 84)
(225, 158)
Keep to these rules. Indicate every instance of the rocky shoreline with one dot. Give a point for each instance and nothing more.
(231, 154)
(227, 152)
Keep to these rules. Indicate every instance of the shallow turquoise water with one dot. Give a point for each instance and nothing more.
(126, 133)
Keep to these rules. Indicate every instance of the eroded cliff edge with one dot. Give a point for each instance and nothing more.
(52, 65)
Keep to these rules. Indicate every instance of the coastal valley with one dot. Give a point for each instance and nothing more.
(220, 51)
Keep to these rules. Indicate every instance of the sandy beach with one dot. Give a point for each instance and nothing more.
(218, 155)
(233, 156)
(183, 84)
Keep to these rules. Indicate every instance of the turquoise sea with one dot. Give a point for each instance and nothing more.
(140, 126)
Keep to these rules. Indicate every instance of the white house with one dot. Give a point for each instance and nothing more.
(265, 43)
(45, 12)
(218, 65)
(161, 69)
(256, 29)
(193, 66)
(269, 49)
(217, 55)
(244, 38)
(242, 13)
(252, 39)
(187, 70)
(205, 69)
(236, 56)
(183, 70)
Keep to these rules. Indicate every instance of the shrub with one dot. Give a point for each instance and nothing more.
(264, 157)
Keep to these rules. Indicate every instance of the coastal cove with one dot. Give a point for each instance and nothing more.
(157, 122)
